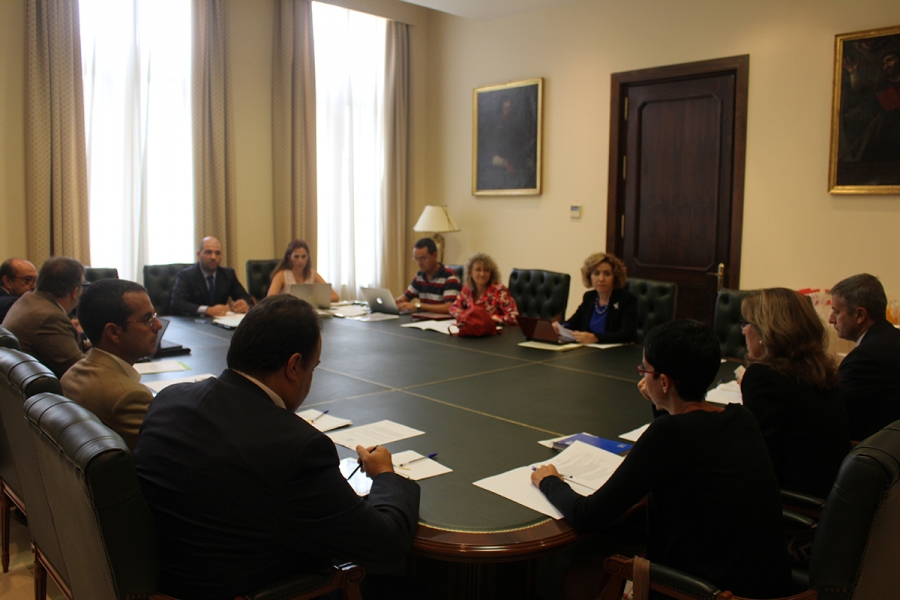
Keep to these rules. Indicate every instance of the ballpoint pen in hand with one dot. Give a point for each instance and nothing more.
(359, 465)
(401, 465)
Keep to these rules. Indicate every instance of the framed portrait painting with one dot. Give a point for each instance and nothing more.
(865, 123)
(506, 139)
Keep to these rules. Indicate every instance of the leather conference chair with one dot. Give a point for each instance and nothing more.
(7, 470)
(727, 323)
(8, 339)
(855, 550)
(93, 274)
(259, 276)
(159, 279)
(459, 270)
(22, 376)
(539, 293)
(655, 303)
(104, 525)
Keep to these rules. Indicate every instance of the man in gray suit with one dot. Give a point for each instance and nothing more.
(41, 319)
(119, 319)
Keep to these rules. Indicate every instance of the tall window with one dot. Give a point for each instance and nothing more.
(136, 57)
(350, 54)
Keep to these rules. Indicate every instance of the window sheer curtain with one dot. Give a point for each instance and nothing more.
(350, 57)
(138, 122)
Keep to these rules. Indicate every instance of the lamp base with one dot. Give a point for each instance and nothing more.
(439, 242)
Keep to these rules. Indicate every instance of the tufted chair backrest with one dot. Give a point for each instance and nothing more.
(159, 279)
(655, 303)
(539, 293)
(727, 323)
(259, 276)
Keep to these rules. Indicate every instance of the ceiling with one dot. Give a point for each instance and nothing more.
(485, 10)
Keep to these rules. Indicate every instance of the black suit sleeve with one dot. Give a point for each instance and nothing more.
(582, 317)
(182, 302)
(869, 408)
(335, 522)
(760, 390)
(236, 291)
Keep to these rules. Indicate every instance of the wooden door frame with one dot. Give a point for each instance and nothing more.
(739, 66)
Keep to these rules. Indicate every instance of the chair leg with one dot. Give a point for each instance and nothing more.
(40, 577)
(5, 510)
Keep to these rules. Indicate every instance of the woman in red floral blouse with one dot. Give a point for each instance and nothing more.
(483, 288)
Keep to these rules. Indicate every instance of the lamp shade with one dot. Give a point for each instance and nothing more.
(436, 219)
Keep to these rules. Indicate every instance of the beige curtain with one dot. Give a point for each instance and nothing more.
(294, 126)
(214, 184)
(58, 221)
(396, 134)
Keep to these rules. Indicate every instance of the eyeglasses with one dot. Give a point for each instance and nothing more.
(642, 371)
(744, 323)
(148, 321)
(28, 280)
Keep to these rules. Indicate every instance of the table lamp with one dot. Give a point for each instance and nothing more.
(438, 220)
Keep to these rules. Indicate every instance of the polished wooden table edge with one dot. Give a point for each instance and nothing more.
(492, 546)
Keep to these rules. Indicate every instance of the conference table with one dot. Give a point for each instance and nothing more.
(483, 403)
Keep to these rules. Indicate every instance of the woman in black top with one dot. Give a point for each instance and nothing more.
(791, 387)
(608, 312)
(714, 507)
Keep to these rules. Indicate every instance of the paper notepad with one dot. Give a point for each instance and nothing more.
(160, 366)
(726, 393)
(415, 466)
(373, 434)
(158, 386)
(551, 347)
(439, 326)
(321, 421)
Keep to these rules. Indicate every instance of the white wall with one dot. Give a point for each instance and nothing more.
(795, 233)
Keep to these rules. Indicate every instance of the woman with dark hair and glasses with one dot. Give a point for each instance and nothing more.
(791, 387)
(713, 502)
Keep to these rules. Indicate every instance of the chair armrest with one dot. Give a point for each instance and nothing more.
(797, 523)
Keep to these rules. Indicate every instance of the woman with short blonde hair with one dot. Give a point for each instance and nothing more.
(608, 312)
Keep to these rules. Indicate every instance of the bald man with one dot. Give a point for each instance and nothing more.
(17, 277)
(205, 287)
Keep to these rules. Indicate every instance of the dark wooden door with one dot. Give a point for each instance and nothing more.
(676, 177)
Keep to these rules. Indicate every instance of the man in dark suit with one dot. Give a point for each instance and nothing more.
(41, 319)
(17, 277)
(869, 373)
(242, 491)
(204, 288)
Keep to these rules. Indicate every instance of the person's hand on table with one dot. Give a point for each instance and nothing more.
(585, 337)
(406, 306)
(543, 471)
(555, 325)
(219, 310)
(375, 460)
(240, 306)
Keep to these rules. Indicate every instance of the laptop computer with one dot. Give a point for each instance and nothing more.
(317, 294)
(380, 300)
(541, 330)
(164, 348)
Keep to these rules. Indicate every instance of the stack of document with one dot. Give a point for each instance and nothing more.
(230, 321)
(322, 421)
(442, 326)
(585, 468)
(726, 393)
(373, 434)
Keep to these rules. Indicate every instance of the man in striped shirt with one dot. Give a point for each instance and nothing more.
(434, 288)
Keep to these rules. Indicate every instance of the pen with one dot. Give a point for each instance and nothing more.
(359, 465)
(401, 465)
(570, 478)
(319, 416)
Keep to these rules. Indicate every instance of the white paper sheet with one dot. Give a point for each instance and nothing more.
(160, 366)
(371, 317)
(321, 421)
(349, 311)
(635, 434)
(551, 347)
(419, 469)
(158, 386)
(726, 393)
(359, 481)
(373, 434)
(603, 346)
(585, 467)
(231, 319)
(439, 326)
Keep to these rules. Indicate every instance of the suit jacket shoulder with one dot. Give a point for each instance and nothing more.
(45, 331)
(101, 385)
(868, 381)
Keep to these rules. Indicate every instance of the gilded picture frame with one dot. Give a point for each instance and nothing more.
(865, 120)
(506, 138)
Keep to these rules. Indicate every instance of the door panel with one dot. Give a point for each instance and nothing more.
(676, 186)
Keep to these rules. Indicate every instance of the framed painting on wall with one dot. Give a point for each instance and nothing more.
(865, 122)
(506, 139)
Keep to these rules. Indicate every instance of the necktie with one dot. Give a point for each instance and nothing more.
(211, 284)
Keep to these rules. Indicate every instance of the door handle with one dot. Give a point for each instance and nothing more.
(720, 277)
